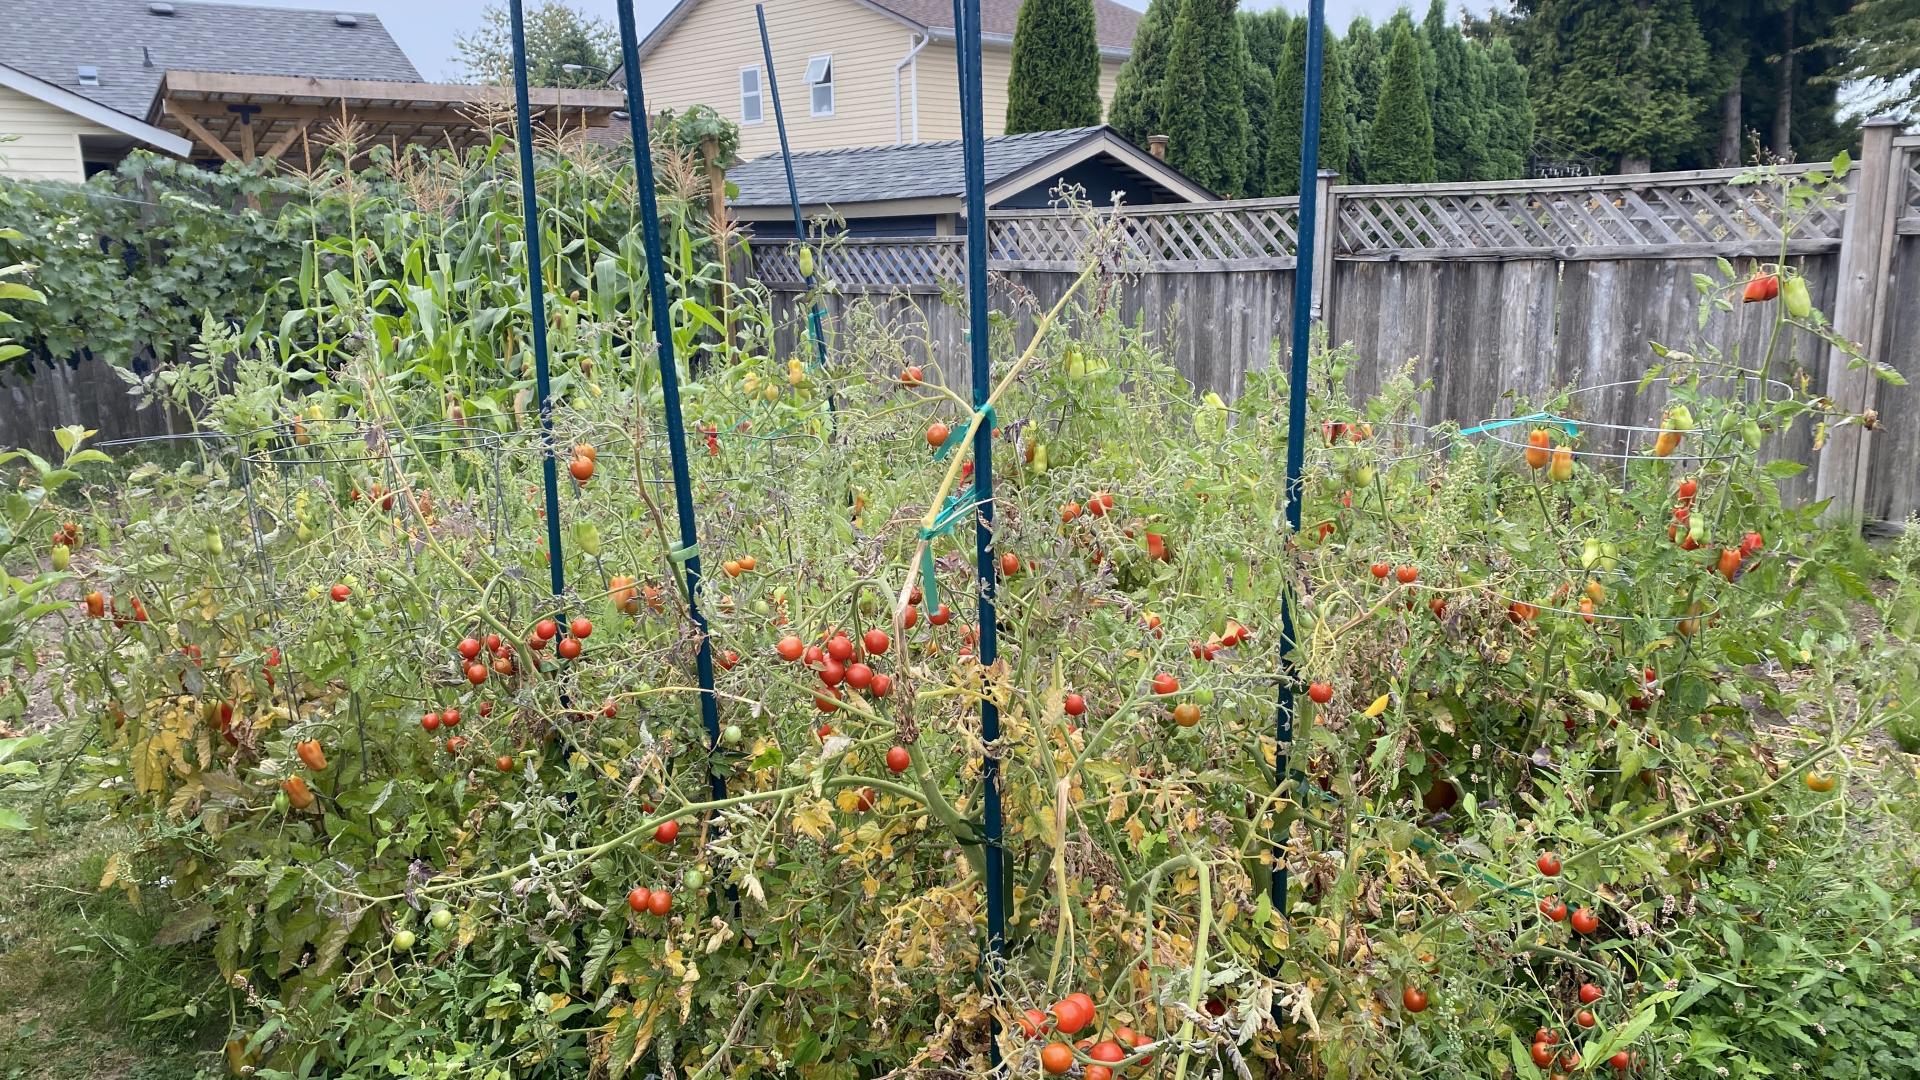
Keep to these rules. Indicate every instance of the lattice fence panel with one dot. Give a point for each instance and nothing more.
(1263, 232)
(877, 264)
(1696, 211)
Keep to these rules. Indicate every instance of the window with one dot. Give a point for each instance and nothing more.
(820, 84)
(749, 95)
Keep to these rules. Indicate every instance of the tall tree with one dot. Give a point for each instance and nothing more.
(1203, 102)
(1458, 135)
(565, 46)
(1620, 79)
(1879, 42)
(1055, 82)
(1135, 112)
(1259, 93)
(1400, 145)
(1365, 67)
(1509, 113)
(1283, 142)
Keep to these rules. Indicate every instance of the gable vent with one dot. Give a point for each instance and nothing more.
(346, 20)
(160, 9)
(89, 75)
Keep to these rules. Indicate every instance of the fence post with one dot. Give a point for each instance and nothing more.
(1326, 218)
(1866, 254)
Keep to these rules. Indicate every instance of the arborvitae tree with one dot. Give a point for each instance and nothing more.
(1452, 101)
(1259, 82)
(1204, 101)
(1365, 66)
(1266, 35)
(1509, 114)
(1623, 79)
(1881, 43)
(1135, 112)
(1400, 144)
(1055, 82)
(1290, 92)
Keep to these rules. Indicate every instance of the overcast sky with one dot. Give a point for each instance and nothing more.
(426, 28)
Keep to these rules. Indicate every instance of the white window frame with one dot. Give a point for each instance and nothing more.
(819, 76)
(758, 97)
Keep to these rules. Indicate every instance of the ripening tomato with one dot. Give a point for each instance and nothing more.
(96, 604)
(937, 433)
(569, 648)
(1543, 1055)
(1590, 993)
(732, 567)
(504, 763)
(748, 562)
(1415, 1000)
(790, 648)
(881, 685)
(1760, 288)
(1406, 575)
(1569, 1059)
(451, 717)
(898, 759)
(1554, 908)
(1729, 563)
(431, 721)
(877, 642)
(1034, 1023)
(1186, 714)
(912, 375)
(455, 744)
(941, 616)
(667, 832)
(1585, 1018)
(840, 647)
(659, 903)
(727, 658)
(581, 469)
(340, 593)
(859, 676)
(1075, 705)
(581, 626)
(1070, 1014)
(1820, 782)
(546, 629)
(1320, 693)
(469, 648)
(1585, 921)
(865, 800)
(1549, 864)
(1107, 1050)
(1164, 684)
(311, 755)
(1009, 564)
(1688, 489)
(1056, 1058)
(637, 898)
(1752, 543)
(1538, 441)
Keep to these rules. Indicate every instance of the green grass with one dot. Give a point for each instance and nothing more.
(77, 972)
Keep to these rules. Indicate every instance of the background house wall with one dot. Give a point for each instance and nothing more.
(46, 143)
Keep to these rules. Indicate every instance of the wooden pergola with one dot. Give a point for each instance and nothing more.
(246, 117)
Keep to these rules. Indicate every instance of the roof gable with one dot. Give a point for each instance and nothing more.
(1114, 22)
(935, 170)
(131, 47)
(112, 119)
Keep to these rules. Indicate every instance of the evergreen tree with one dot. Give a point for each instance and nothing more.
(1283, 155)
(1365, 66)
(1203, 102)
(1458, 135)
(1622, 79)
(1259, 119)
(1400, 144)
(1880, 45)
(1135, 112)
(1055, 81)
(559, 37)
(1509, 114)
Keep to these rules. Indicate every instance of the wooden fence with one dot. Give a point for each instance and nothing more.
(1526, 286)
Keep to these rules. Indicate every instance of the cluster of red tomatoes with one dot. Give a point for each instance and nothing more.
(1070, 1016)
(841, 662)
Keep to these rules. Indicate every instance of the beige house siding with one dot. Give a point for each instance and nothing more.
(699, 62)
(940, 89)
(45, 142)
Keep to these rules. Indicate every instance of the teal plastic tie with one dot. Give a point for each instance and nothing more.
(958, 507)
(1572, 429)
(953, 436)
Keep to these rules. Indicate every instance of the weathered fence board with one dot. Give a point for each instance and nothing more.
(87, 392)
(1893, 475)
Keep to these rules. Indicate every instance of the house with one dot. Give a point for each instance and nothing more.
(917, 189)
(82, 82)
(851, 72)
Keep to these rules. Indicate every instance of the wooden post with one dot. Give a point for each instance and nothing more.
(717, 212)
(1859, 315)
(1326, 220)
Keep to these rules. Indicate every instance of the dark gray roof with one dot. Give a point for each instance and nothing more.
(904, 171)
(131, 47)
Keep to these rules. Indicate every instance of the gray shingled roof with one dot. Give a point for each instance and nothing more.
(1113, 23)
(50, 39)
(906, 171)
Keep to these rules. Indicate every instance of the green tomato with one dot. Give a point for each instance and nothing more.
(441, 918)
(1589, 554)
(1203, 696)
(62, 556)
(694, 879)
(1750, 434)
(402, 940)
(731, 735)
(1794, 293)
(761, 607)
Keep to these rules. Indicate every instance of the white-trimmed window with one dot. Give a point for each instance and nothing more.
(750, 95)
(820, 84)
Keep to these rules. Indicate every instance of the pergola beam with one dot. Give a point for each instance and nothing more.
(195, 129)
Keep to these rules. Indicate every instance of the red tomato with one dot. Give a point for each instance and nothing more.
(833, 673)
(340, 593)
(1590, 993)
(882, 684)
(659, 902)
(941, 616)
(867, 798)
(1549, 864)
(840, 647)
(546, 629)
(859, 676)
(1585, 922)
(937, 433)
(451, 717)
(1034, 1023)
(1752, 542)
(1406, 575)
(667, 832)
(581, 468)
(1621, 1060)
(431, 721)
(1414, 1000)
(1585, 1018)
(1009, 564)
(1380, 570)
(1320, 693)
(1553, 908)
(877, 642)
(813, 656)
(637, 898)
(504, 763)
(1543, 1055)
(469, 648)
(581, 627)
(898, 759)
(908, 619)
(493, 642)
(1070, 1015)
(1164, 684)
(1056, 1058)
(1076, 705)
(1107, 1050)
(568, 648)
(476, 673)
